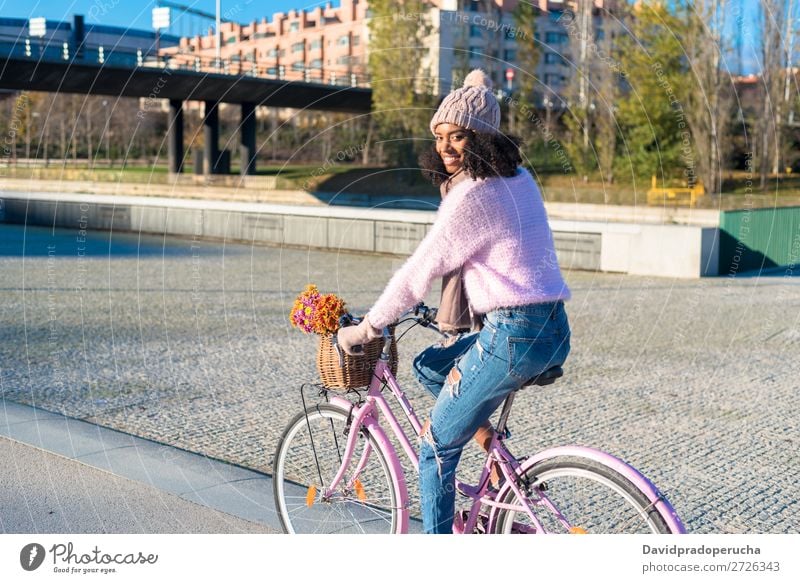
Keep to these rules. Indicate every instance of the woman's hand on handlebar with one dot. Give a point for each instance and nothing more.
(353, 338)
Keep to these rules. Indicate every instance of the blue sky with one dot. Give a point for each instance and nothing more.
(137, 14)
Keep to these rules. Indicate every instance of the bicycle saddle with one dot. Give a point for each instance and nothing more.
(548, 377)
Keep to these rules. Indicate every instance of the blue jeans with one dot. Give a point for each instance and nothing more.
(470, 379)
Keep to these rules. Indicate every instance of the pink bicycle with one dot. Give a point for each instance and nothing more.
(337, 471)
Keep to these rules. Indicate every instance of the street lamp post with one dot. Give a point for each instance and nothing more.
(548, 107)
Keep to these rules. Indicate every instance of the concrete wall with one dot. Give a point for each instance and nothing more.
(685, 251)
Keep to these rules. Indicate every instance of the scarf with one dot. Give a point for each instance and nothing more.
(454, 312)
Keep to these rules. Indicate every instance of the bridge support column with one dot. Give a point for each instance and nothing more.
(175, 136)
(247, 139)
(211, 137)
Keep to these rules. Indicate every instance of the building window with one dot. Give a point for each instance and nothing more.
(343, 41)
(555, 15)
(298, 66)
(555, 38)
(553, 59)
(344, 60)
(474, 31)
(510, 55)
(599, 34)
(315, 64)
(316, 44)
(298, 47)
(552, 79)
(476, 52)
(356, 40)
(272, 71)
(272, 53)
(294, 27)
(230, 40)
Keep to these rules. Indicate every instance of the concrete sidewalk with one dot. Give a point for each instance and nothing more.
(62, 475)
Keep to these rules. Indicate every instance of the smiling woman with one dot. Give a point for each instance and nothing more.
(479, 154)
(470, 141)
(493, 246)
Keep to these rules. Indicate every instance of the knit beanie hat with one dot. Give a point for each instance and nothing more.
(474, 106)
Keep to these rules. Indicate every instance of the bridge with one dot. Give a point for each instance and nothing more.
(97, 70)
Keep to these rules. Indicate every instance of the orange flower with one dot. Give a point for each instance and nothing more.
(315, 312)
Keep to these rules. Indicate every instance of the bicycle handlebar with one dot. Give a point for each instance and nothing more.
(421, 314)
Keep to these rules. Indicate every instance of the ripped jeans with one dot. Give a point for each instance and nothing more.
(470, 379)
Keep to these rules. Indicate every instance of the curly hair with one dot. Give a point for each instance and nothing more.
(486, 155)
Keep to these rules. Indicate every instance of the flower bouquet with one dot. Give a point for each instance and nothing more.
(317, 313)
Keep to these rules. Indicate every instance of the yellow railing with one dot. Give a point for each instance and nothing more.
(678, 196)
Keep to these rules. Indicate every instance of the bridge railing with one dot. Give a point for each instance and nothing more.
(64, 52)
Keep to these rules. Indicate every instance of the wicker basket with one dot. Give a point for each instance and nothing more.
(357, 370)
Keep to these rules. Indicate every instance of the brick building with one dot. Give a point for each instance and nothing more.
(330, 44)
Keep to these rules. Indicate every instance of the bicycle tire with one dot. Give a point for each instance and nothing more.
(591, 497)
(300, 464)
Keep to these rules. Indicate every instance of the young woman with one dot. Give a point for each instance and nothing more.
(492, 243)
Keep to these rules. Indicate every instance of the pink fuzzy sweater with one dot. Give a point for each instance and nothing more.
(497, 229)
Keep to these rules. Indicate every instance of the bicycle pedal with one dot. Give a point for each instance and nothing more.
(460, 522)
(465, 490)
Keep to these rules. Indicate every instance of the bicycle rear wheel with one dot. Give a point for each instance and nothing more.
(308, 457)
(586, 497)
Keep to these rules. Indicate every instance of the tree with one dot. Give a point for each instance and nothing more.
(402, 92)
(527, 54)
(606, 89)
(592, 94)
(651, 115)
(679, 87)
(709, 95)
(776, 71)
(580, 145)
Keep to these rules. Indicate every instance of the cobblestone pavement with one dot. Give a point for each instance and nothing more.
(188, 343)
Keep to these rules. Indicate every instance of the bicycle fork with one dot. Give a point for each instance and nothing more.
(357, 421)
(364, 419)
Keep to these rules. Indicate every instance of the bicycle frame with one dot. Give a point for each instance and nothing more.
(366, 414)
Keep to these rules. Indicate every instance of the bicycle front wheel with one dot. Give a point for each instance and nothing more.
(577, 495)
(308, 457)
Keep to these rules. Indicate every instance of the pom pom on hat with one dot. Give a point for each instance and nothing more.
(473, 106)
(477, 78)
